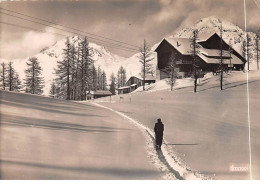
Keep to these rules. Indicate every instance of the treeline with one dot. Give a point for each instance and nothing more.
(9, 78)
(76, 73)
(33, 83)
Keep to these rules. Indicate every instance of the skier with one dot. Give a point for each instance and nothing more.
(158, 129)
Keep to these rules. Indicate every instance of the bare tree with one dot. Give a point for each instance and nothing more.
(230, 50)
(195, 51)
(145, 56)
(221, 65)
(171, 69)
(257, 50)
(246, 50)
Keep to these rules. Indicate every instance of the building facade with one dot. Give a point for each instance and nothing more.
(208, 57)
(98, 94)
(134, 82)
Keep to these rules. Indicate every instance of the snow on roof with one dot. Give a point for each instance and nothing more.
(149, 77)
(102, 92)
(184, 47)
(121, 88)
(181, 44)
(213, 52)
(234, 59)
(205, 36)
(135, 77)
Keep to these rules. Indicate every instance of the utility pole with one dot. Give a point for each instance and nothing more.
(248, 105)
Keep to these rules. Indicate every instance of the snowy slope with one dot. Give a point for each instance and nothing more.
(43, 138)
(208, 130)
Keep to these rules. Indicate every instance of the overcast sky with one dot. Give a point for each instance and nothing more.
(128, 21)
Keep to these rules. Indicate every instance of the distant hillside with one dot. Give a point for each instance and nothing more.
(49, 56)
(110, 62)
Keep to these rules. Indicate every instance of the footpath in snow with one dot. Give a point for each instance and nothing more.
(168, 163)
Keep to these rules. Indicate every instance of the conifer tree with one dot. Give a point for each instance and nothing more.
(99, 78)
(34, 82)
(121, 77)
(17, 84)
(3, 75)
(104, 81)
(86, 67)
(64, 70)
(73, 58)
(53, 90)
(13, 81)
(112, 88)
(94, 78)
(257, 50)
(10, 76)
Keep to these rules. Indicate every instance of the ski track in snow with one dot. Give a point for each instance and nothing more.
(170, 166)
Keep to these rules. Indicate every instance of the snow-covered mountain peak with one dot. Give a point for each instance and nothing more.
(49, 56)
(208, 25)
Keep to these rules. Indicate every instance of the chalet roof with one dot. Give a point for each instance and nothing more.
(205, 36)
(234, 60)
(101, 92)
(138, 77)
(213, 52)
(121, 88)
(181, 44)
(184, 47)
(149, 78)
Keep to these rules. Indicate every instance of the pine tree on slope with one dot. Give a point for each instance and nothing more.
(64, 71)
(112, 88)
(3, 75)
(34, 82)
(86, 63)
(121, 77)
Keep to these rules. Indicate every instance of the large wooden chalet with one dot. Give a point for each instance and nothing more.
(208, 56)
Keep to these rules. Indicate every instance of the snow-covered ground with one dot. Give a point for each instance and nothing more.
(207, 130)
(44, 138)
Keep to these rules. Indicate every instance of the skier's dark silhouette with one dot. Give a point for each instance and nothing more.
(158, 129)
